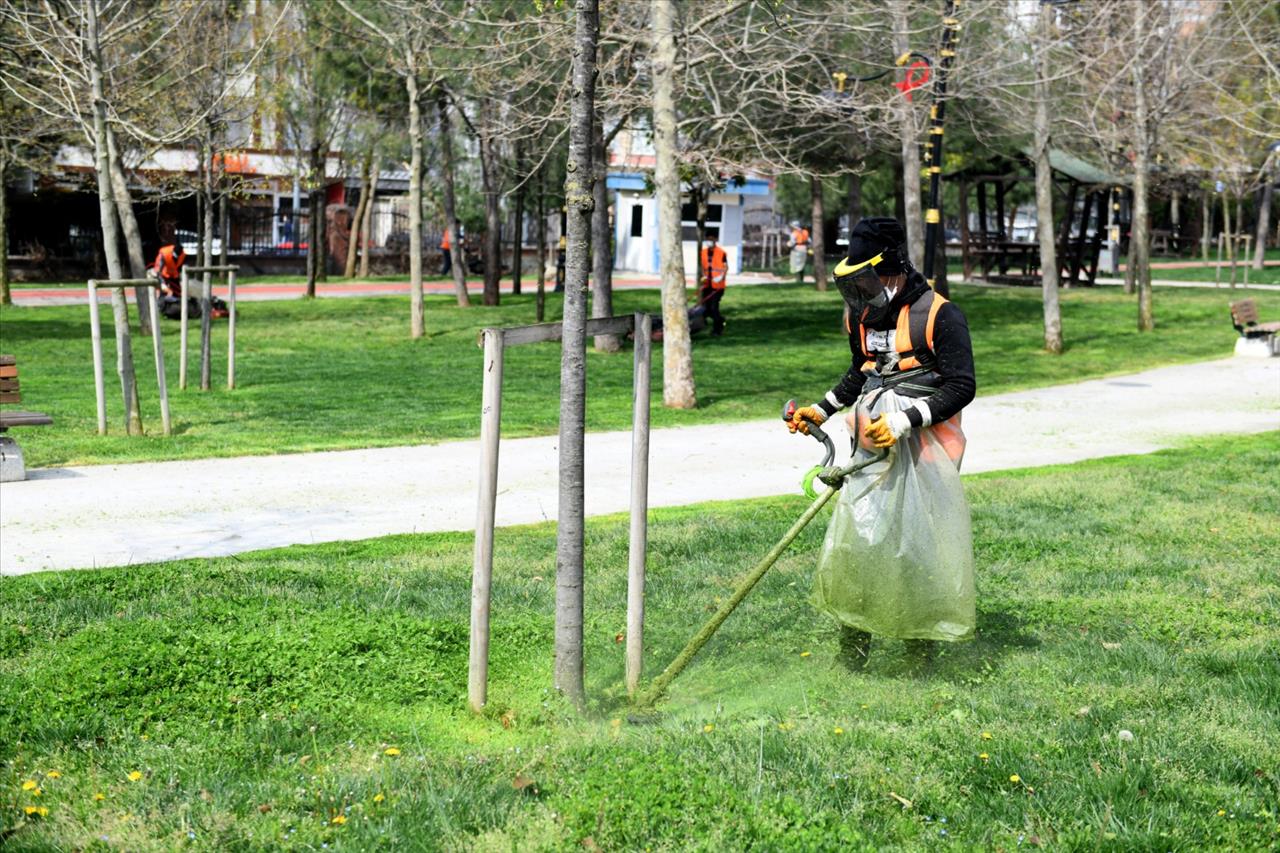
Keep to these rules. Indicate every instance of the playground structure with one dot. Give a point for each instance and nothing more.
(206, 304)
(123, 344)
(494, 342)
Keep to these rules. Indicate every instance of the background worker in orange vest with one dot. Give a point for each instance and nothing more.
(168, 267)
(446, 246)
(715, 267)
(897, 560)
(799, 245)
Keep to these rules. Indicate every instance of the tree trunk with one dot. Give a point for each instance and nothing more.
(854, 201)
(1206, 224)
(224, 224)
(1264, 217)
(601, 242)
(818, 238)
(677, 349)
(492, 220)
(1141, 230)
(517, 230)
(698, 195)
(315, 225)
(366, 222)
(417, 321)
(108, 216)
(910, 147)
(899, 192)
(456, 254)
(132, 235)
(353, 239)
(1044, 192)
(541, 299)
(6, 298)
(573, 361)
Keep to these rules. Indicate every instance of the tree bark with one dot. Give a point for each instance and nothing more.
(601, 239)
(6, 298)
(132, 235)
(1141, 233)
(517, 230)
(357, 220)
(1206, 224)
(417, 322)
(315, 249)
(854, 200)
(573, 362)
(1044, 191)
(366, 222)
(677, 351)
(1264, 217)
(492, 220)
(456, 254)
(910, 147)
(108, 216)
(818, 238)
(540, 301)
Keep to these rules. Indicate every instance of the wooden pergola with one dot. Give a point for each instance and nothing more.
(1083, 196)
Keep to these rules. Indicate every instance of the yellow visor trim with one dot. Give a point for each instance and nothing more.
(842, 270)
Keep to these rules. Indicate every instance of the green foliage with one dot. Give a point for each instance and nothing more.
(333, 373)
(260, 697)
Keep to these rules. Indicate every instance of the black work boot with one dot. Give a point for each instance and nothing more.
(855, 646)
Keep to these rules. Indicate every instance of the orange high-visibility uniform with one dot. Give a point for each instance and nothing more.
(168, 265)
(715, 264)
(800, 237)
(445, 242)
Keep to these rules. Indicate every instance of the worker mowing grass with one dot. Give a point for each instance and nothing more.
(897, 561)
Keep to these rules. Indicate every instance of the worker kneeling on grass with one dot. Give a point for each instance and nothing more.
(897, 560)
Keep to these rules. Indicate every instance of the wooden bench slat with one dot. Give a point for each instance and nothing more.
(11, 419)
(10, 397)
(9, 384)
(8, 371)
(7, 360)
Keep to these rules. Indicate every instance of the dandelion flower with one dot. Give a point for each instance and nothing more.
(99, 796)
(377, 798)
(40, 811)
(29, 785)
(986, 735)
(984, 756)
(786, 727)
(709, 727)
(35, 792)
(391, 750)
(53, 774)
(339, 819)
(805, 654)
(135, 776)
(838, 730)
(1015, 778)
(1222, 812)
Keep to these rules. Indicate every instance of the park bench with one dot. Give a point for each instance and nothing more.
(11, 465)
(1258, 339)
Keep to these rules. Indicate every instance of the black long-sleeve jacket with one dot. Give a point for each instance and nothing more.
(951, 347)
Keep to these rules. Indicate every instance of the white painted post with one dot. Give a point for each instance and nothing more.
(206, 329)
(158, 346)
(182, 325)
(482, 561)
(99, 382)
(231, 330)
(639, 502)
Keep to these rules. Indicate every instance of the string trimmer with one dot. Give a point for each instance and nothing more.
(833, 478)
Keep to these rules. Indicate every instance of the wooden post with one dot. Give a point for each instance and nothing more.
(639, 501)
(231, 330)
(206, 329)
(182, 334)
(157, 347)
(99, 381)
(482, 560)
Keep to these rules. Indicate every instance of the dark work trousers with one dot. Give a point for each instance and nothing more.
(710, 298)
(446, 262)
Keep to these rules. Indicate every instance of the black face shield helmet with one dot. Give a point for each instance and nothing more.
(860, 284)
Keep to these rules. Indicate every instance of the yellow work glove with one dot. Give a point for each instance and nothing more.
(800, 420)
(885, 430)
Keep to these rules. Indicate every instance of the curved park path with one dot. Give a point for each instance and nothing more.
(112, 515)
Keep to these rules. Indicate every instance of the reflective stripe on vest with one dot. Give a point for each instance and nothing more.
(915, 324)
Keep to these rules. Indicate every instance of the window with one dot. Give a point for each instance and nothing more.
(637, 220)
(689, 221)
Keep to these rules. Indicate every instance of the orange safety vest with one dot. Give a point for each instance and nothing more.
(445, 242)
(716, 265)
(169, 263)
(800, 236)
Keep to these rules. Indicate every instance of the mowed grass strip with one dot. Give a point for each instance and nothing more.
(343, 373)
(1123, 691)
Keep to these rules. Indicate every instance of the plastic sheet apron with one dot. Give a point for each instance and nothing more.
(898, 556)
(799, 257)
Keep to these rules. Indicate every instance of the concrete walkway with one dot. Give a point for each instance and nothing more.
(113, 515)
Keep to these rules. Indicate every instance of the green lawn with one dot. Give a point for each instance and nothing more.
(1123, 691)
(342, 373)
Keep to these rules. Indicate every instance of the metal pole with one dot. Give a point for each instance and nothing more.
(99, 381)
(639, 501)
(206, 329)
(486, 507)
(158, 346)
(182, 325)
(231, 330)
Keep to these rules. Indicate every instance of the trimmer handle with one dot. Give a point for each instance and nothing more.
(789, 413)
